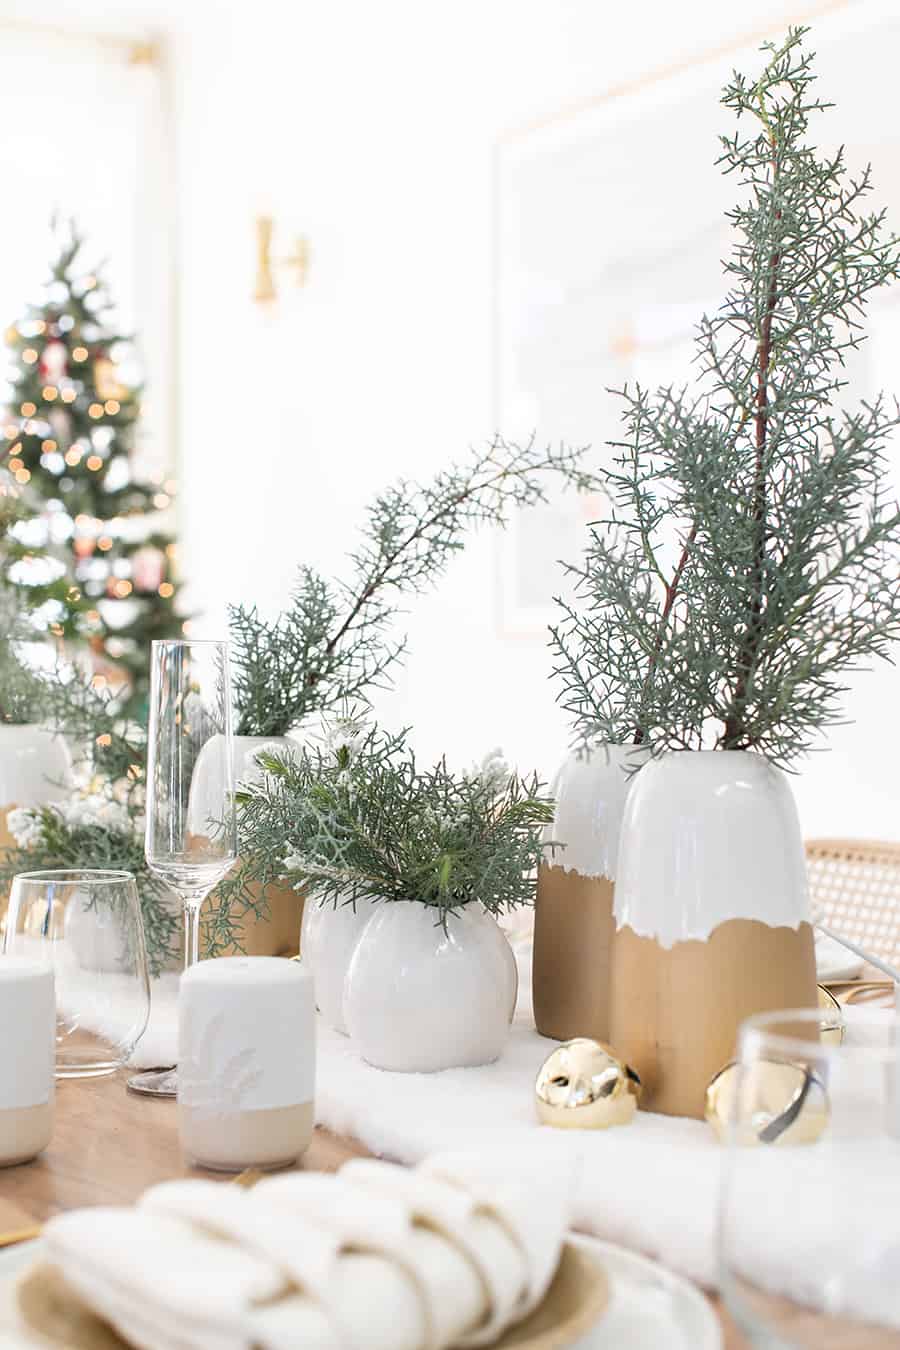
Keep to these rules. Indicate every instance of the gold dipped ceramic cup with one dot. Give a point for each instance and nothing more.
(583, 1085)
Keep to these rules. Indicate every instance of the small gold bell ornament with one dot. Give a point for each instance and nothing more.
(583, 1085)
(768, 1102)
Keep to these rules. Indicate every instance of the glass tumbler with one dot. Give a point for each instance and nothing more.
(809, 1231)
(87, 926)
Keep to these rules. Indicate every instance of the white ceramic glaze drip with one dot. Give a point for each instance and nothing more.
(590, 791)
(709, 836)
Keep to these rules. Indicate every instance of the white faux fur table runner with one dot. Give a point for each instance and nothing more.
(652, 1185)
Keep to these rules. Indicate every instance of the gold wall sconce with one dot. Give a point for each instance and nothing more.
(296, 262)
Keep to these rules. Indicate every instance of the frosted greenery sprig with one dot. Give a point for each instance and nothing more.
(102, 823)
(750, 555)
(333, 642)
(96, 832)
(360, 820)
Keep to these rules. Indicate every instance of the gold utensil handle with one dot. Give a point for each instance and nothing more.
(20, 1235)
(852, 991)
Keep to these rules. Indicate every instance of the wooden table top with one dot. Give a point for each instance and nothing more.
(109, 1145)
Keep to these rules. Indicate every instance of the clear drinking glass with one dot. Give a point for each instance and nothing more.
(87, 926)
(191, 838)
(809, 1232)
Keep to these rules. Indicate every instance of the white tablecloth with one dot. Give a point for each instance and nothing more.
(652, 1185)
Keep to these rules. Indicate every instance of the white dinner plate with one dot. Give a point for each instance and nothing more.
(649, 1308)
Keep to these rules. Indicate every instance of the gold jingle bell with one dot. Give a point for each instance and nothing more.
(583, 1085)
(831, 1023)
(767, 1102)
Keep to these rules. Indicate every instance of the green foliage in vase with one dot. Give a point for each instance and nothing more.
(333, 643)
(750, 556)
(96, 831)
(360, 819)
(102, 823)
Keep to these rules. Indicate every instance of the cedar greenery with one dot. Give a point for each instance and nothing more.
(61, 842)
(111, 766)
(332, 644)
(360, 819)
(328, 648)
(750, 556)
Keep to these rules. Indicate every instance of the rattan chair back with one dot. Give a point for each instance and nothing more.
(854, 887)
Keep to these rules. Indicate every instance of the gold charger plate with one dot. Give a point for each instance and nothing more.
(573, 1304)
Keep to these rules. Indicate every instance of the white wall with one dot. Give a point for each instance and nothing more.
(371, 127)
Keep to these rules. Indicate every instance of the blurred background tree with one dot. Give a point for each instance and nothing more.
(89, 546)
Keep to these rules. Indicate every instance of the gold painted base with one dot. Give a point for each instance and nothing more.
(574, 931)
(675, 1012)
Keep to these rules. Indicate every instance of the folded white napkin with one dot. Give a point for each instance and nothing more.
(377, 1258)
(160, 1282)
(494, 1258)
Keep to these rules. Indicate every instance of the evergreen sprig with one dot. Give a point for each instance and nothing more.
(750, 557)
(58, 840)
(102, 826)
(360, 819)
(332, 644)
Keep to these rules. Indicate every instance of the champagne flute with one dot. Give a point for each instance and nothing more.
(191, 838)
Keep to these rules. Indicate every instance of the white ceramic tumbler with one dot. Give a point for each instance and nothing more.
(246, 1062)
(27, 1058)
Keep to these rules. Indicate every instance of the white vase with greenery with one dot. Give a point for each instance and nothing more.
(738, 576)
(427, 858)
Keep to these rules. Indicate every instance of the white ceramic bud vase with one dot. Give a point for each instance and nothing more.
(712, 918)
(574, 926)
(34, 769)
(420, 996)
(327, 943)
(276, 933)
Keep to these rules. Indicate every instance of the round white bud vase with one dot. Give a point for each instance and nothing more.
(420, 996)
(328, 940)
(246, 1062)
(27, 1058)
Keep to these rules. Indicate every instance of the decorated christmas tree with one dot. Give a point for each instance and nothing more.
(69, 435)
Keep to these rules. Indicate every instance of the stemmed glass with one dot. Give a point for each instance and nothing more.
(191, 839)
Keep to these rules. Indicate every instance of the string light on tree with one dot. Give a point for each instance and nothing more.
(70, 428)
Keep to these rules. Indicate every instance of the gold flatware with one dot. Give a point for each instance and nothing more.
(20, 1235)
(849, 990)
(249, 1177)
